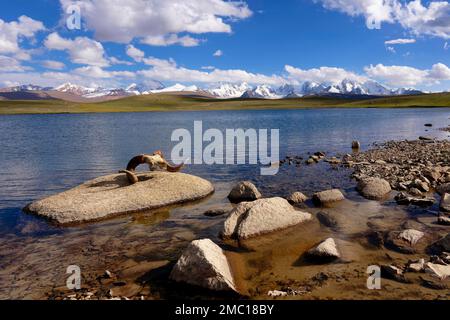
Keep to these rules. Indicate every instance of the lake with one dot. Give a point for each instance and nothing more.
(45, 154)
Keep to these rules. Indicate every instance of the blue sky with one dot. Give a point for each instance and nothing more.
(260, 41)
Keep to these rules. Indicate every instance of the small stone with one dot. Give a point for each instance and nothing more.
(328, 196)
(356, 144)
(326, 250)
(417, 266)
(443, 220)
(297, 198)
(394, 273)
(244, 191)
(204, 264)
(276, 293)
(445, 202)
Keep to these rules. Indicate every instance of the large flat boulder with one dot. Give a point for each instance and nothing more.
(113, 195)
(250, 219)
(204, 264)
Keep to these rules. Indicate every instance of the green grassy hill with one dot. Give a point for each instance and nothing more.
(166, 102)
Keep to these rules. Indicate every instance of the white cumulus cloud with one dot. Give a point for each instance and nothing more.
(135, 53)
(82, 50)
(322, 74)
(122, 21)
(420, 19)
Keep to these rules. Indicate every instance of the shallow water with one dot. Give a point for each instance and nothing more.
(44, 154)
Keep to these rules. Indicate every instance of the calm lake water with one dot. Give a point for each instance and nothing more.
(45, 154)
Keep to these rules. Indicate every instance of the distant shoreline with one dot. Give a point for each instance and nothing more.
(170, 103)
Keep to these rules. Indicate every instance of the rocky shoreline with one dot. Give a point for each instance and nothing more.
(412, 252)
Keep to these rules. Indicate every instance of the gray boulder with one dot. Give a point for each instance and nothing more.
(374, 188)
(113, 195)
(244, 191)
(204, 264)
(250, 219)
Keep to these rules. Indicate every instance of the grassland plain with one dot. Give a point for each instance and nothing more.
(168, 102)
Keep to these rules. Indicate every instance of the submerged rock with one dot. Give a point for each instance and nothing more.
(113, 195)
(204, 264)
(297, 198)
(216, 212)
(328, 196)
(326, 250)
(374, 188)
(244, 191)
(403, 241)
(250, 219)
(440, 246)
(327, 220)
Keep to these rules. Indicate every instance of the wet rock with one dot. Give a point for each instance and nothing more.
(204, 264)
(374, 188)
(421, 185)
(437, 270)
(443, 188)
(403, 199)
(440, 246)
(328, 196)
(394, 273)
(443, 220)
(356, 144)
(326, 250)
(327, 220)
(310, 161)
(297, 198)
(445, 202)
(244, 191)
(113, 195)
(428, 124)
(250, 219)
(415, 192)
(431, 174)
(432, 284)
(216, 212)
(425, 138)
(403, 241)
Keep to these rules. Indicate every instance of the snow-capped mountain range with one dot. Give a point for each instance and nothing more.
(229, 90)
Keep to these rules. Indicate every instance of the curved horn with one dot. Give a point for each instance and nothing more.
(171, 168)
(132, 178)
